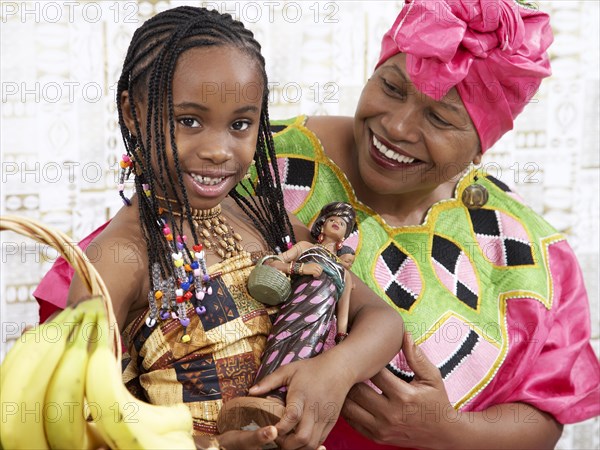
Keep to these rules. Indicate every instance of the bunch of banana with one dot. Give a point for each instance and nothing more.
(61, 388)
(124, 421)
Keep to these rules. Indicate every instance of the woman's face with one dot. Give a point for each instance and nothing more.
(217, 100)
(405, 140)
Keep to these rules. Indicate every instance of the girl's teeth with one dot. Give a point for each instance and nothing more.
(391, 154)
(207, 180)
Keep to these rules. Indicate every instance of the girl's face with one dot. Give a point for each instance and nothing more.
(217, 100)
(405, 140)
(334, 228)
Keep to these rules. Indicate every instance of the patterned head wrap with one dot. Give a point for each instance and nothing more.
(340, 209)
(493, 51)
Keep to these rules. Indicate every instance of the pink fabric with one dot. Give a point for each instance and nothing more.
(493, 51)
(53, 290)
(563, 371)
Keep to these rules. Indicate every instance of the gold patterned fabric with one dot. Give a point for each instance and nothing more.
(221, 358)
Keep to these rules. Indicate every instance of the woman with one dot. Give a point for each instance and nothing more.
(493, 296)
(490, 292)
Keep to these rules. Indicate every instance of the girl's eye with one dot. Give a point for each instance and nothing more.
(189, 122)
(241, 125)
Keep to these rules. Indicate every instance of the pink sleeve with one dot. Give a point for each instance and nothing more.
(52, 292)
(551, 364)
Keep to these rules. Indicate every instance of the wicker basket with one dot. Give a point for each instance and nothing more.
(267, 284)
(74, 256)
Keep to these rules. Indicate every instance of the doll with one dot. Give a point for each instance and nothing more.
(320, 289)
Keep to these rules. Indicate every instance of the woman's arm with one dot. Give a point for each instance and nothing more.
(419, 414)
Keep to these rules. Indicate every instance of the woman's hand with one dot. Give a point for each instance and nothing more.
(416, 414)
(238, 440)
(313, 269)
(419, 414)
(315, 394)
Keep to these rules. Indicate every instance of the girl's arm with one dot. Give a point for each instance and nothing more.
(120, 263)
(343, 306)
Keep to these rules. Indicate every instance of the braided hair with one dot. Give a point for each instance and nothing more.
(147, 75)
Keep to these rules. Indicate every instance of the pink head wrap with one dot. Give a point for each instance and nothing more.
(493, 51)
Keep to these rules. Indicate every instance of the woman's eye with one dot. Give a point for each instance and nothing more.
(240, 125)
(393, 89)
(189, 122)
(437, 120)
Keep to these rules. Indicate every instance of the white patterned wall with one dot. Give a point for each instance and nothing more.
(59, 140)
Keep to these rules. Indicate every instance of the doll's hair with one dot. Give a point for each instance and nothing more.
(346, 250)
(340, 209)
(147, 76)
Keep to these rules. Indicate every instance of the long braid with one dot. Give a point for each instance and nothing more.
(147, 76)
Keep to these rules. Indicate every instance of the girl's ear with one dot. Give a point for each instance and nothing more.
(127, 116)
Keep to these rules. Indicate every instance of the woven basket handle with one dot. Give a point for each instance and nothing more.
(74, 256)
(265, 258)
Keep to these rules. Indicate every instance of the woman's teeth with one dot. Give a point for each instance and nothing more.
(391, 154)
(208, 181)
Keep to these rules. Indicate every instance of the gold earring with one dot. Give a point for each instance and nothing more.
(475, 196)
(250, 171)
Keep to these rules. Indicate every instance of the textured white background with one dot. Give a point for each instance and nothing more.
(60, 142)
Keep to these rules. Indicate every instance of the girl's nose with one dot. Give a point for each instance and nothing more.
(215, 149)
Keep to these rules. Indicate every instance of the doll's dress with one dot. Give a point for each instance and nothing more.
(305, 318)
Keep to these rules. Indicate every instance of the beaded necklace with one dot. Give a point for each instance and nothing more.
(191, 281)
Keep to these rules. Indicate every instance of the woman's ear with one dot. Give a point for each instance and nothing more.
(477, 159)
(127, 115)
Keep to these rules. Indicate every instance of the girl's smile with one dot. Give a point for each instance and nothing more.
(215, 117)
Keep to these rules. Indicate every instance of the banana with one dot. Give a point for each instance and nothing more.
(66, 428)
(23, 384)
(93, 439)
(124, 421)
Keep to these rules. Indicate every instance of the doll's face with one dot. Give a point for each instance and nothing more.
(335, 228)
(347, 260)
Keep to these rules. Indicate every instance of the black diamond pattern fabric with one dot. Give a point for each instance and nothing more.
(485, 222)
(400, 296)
(300, 172)
(517, 253)
(393, 257)
(445, 252)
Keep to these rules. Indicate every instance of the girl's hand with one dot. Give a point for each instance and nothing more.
(312, 408)
(238, 440)
(313, 269)
(416, 414)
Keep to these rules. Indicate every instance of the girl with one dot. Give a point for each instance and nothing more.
(192, 102)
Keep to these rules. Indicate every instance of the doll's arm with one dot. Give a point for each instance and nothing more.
(284, 261)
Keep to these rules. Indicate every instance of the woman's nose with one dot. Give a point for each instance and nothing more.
(403, 123)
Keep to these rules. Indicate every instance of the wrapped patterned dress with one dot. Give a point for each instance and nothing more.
(305, 319)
